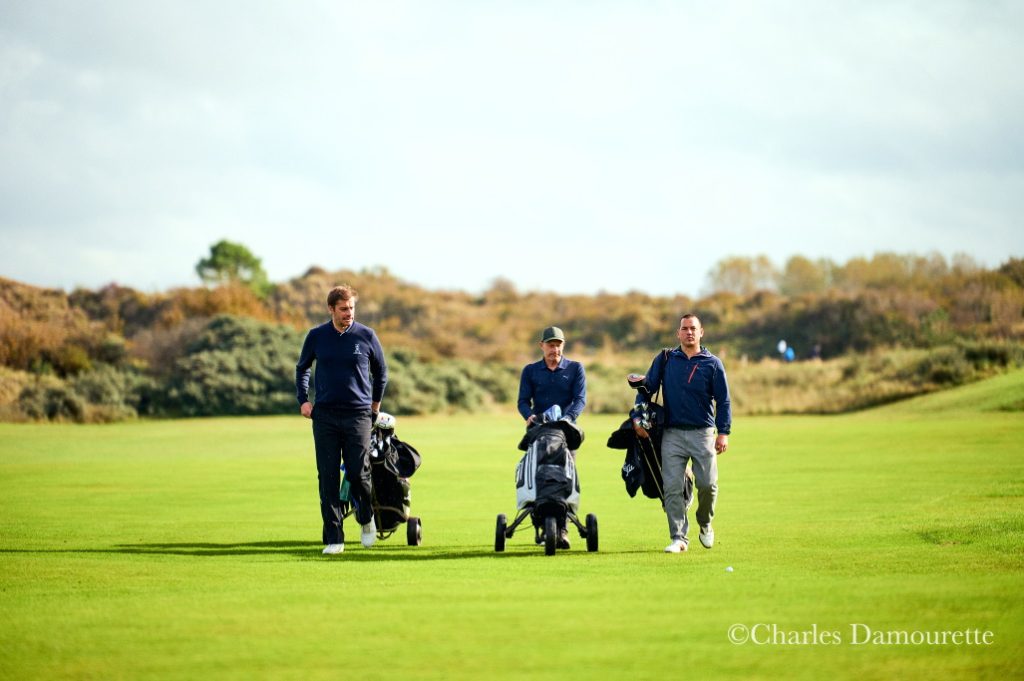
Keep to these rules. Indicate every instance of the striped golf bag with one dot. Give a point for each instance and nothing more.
(546, 475)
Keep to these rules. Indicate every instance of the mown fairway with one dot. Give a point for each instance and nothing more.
(190, 550)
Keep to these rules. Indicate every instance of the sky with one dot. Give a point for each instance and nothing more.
(563, 146)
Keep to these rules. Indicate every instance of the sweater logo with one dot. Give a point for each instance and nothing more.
(355, 351)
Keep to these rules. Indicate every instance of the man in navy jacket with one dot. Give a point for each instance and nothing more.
(554, 380)
(696, 396)
(351, 375)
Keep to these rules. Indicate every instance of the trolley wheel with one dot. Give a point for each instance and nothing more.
(499, 533)
(414, 532)
(550, 535)
(591, 532)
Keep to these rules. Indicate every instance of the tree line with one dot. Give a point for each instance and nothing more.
(229, 346)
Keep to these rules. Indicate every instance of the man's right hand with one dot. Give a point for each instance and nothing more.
(306, 409)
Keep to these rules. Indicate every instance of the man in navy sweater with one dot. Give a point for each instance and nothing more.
(554, 380)
(351, 375)
(691, 378)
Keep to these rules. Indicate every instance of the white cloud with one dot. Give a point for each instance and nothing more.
(552, 145)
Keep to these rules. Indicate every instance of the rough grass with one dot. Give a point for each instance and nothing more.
(190, 549)
(862, 381)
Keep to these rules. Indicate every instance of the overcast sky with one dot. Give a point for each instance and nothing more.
(570, 146)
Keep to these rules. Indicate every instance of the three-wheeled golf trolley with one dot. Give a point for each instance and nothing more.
(392, 463)
(547, 489)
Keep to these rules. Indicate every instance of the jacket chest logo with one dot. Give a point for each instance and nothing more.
(355, 350)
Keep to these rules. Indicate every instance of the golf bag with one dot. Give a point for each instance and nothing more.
(641, 469)
(392, 463)
(546, 475)
(642, 466)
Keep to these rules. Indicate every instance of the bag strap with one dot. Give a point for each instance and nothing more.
(664, 362)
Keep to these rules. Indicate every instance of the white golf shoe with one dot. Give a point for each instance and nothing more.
(677, 546)
(707, 536)
(332, 549)
(369, 536)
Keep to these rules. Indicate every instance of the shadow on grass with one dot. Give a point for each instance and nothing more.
(305, 550)
(312, 551)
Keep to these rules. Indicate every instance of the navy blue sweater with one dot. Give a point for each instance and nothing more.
(689, 384)
(350, 369)
(566, 386)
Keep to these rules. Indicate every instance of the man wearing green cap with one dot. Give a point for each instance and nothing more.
(554, 380)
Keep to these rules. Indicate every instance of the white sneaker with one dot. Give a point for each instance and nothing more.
(707, 536)
(677, 546)
(332, 549)
(369, 533)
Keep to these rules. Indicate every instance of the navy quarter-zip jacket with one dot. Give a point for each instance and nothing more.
(689, 385)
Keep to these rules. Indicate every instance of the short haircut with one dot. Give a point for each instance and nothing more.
(690, 315)
(344, 292)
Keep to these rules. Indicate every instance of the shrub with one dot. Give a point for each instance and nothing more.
(994, 354)
(946, 366)
(417, 387)
(119, 390)
(53, 401)
(607, 390)
(234, 366)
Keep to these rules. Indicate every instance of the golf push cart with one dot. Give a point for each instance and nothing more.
(392, 463)
(547, 489)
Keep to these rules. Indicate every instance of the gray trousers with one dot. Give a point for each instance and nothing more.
(679, 446)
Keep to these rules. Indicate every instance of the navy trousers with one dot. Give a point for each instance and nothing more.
(342, 435)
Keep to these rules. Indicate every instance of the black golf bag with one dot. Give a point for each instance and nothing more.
(392, 463)
(642, 466)
(641, 469)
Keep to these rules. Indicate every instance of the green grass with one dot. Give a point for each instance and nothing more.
(190, 549)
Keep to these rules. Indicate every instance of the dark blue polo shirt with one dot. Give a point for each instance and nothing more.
(688, 386)
(350, 369)
(566, 386)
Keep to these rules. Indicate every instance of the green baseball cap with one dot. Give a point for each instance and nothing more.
(552, 333)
